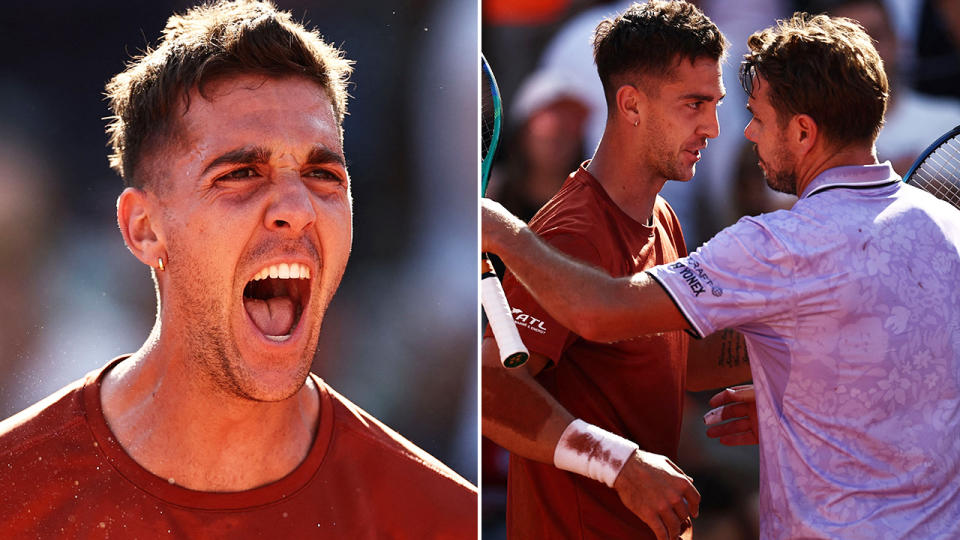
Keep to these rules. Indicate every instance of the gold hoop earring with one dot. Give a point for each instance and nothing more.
(160, 263)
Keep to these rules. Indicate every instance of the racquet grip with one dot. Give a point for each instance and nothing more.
(512, 351)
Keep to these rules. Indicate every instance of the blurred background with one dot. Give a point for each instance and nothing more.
(400, 337)
(541, 53)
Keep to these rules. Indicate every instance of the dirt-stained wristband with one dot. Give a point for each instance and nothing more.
(590, 451)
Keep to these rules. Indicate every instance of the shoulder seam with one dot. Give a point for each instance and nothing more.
(46, 436)
(391, 448)
(398, 450)
(793, 266)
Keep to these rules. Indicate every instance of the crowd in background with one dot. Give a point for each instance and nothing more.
(400, 336)
(554, 113)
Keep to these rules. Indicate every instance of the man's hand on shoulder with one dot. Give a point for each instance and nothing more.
(659, 493)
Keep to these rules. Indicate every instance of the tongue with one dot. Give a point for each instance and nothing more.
(273, 316)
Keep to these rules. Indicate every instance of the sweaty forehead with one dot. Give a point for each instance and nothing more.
(255, 110)
(701, 76)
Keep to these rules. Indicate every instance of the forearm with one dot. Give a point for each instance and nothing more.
(524, 418)
(579, 296)
(590, 302)
(584, 299)
(518, 413)
(717, 361)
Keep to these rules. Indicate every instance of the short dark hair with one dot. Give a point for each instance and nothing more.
(825, 67)
(209, 42)
(650, 39)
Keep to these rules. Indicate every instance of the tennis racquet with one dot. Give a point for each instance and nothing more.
(512, 351)
(937, 170)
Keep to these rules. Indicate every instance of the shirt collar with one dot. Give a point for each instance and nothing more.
(853, 177)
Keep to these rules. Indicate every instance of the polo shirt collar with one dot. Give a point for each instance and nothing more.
(852, 177)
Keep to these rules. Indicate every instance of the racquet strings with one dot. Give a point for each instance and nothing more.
(939, 172)
(490, 112)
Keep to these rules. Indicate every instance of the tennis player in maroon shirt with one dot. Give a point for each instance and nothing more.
(228, 137)
(594, 428)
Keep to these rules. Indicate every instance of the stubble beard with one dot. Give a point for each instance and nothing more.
(214, 350)
(670, 168)
(782, 179)
(216, 353)
(783, 182)
(666, 163)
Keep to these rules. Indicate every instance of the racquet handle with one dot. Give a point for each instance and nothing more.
(512, 351)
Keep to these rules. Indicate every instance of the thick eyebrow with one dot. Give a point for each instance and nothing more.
(250, 155)
(320, 154)
(701, 97)
(246, 155)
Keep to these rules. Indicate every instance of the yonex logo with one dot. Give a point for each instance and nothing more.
(527, 321)
(695, 277)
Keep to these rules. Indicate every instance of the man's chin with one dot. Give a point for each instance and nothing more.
(265, 371)
(781, 183)
(269, 380)
(685, 174)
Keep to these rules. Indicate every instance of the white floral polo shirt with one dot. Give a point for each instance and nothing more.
(850, 304)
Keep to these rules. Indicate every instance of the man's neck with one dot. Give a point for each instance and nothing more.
(828, 158)
(173, 422)
(631, 186)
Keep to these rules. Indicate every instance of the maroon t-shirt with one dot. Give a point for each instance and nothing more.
(63, 475)
(633, 388)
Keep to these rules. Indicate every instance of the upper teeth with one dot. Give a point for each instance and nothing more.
(284, 271)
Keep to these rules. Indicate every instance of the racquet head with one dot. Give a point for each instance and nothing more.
(512, 351)
(937, 170)
(491, 111)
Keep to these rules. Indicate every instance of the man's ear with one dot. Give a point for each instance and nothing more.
(631, 104)
(141, 232)
(804, 132)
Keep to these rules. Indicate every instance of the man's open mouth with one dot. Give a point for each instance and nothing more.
(275, 298)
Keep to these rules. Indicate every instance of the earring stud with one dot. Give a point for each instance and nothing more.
(160, 263)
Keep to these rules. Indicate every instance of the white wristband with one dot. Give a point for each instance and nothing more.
(592, 452)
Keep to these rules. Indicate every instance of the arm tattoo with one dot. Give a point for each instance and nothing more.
(733, 350)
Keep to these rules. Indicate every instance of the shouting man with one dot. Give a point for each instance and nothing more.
(228, 137)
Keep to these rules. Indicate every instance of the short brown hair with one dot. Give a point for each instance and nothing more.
(208, 42)
(822, 66)
(650, 39)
